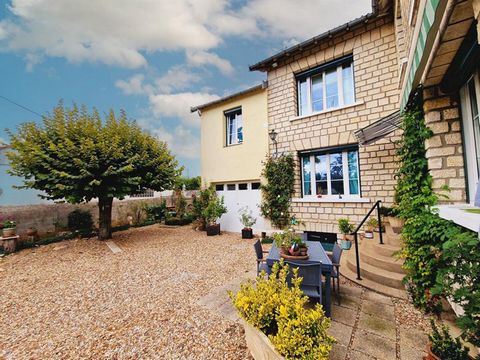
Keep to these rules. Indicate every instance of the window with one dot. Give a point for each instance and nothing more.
(230, 187)
(234, 127)
(334, 172)
(255, 186)
(470, 96)
(242, 186)
(219, 187)
(327, 87)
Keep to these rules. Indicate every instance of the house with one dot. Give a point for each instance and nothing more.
(320, 92)
(234, 142)
(438, 43)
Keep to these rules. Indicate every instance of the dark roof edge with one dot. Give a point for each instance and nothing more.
(263, 85)
(262, 65)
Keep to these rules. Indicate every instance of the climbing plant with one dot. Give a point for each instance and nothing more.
(278, 189)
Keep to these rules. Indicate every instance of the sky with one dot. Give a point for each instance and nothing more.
(152, 58)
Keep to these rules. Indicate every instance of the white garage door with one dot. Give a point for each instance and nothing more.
(238, 196)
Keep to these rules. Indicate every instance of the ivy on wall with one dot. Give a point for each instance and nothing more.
(441, 258)
(278, 189)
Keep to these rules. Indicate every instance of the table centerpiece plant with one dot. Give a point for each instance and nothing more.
(290, 243)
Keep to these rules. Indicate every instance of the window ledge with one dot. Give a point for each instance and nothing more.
(335, 199)
(302, 117)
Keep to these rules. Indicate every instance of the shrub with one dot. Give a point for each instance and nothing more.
(180, 205)
(279, 311)
(176, 221)
(246, 218)
(345, 227)
(80, 220)
(444, 346)
(156, 212)
(278, 190)
(136, 209)
(200, 203)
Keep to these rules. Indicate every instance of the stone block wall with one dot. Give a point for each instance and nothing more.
(376, 87)
(444, 148)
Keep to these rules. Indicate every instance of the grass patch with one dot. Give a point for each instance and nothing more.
(472, 211)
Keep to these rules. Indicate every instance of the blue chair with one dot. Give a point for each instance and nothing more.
(336, 257)
(312, 278)
(261, 261)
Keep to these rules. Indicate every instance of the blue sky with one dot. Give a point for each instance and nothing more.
(154, 59)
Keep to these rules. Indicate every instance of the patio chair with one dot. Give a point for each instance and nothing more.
(312, 278)
(336, 256)
(261, 261)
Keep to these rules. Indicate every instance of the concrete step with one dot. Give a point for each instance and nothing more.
(372, 285)
(376, 274)
(389, 263)
(376, 248)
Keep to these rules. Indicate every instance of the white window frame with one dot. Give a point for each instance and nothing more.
(341, 100)
(346, 179)
(238, 119)
(469, 135)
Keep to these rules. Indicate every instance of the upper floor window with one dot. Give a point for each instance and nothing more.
(333, 172)
(234, 126)
(326, 87)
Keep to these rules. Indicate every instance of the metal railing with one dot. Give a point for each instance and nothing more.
(355, 234)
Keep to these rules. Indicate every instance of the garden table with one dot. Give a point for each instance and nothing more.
(316, 255)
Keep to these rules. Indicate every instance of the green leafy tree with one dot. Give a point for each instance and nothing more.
(74, 156)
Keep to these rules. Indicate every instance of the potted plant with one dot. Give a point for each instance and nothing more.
(371, 224)
(443, 346)
(247, 220)
(214, 210)
(392, 216)
(281, 326)
(290, 243)
(346, 228)
(9, 227)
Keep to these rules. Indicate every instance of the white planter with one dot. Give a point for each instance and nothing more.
(259, 345)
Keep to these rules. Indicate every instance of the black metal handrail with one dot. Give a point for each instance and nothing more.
(355, 234)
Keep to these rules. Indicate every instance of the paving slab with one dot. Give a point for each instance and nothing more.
(376, 325)
(376, 297)
(374, 345)
(357, 355)
(414, 338)
(113, 247)
(379, 309)
(339, 352)
(341, 332)
(409, 353)
(344, 315)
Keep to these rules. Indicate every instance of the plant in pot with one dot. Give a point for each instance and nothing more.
(214, 210)
(290, 243)
(393, 218)
(371, 224)
(247, 220)
(346, 228)
(9, 227)
(443, 346)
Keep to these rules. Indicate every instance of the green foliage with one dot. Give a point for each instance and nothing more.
(178, 221)
(7, 222)
(200, 203)
(75, 156)
(246, 217)
(278, 191)
(214, 210)
(156, 212)
(278, 310)
(137, 210)
(180, 205)
(287, 238)
(186, 183)
(80, 219)
(372, 222)
(345, 226)
(444, 346)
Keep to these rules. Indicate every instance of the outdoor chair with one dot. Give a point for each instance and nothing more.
(336, 256)
(261, 261)
(312, 278)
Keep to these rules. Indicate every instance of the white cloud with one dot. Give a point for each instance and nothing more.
(202, 58)
(182, 141)
(134, 85)
(178, 105)
(177, 78)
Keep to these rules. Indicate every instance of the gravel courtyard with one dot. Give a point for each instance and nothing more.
(76, 299)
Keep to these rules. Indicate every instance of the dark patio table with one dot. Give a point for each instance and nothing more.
(316, 255)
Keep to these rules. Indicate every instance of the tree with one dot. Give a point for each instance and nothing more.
(74, 156)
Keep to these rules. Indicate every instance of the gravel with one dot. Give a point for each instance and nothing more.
(76, 299)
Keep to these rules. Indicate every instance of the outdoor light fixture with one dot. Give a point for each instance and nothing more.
(273, 136)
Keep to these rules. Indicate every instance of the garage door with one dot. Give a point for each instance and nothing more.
(236, 197)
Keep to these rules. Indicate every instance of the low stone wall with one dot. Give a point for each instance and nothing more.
(48, 218)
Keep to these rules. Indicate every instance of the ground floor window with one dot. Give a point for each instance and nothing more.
(470, 96)
(333, 172)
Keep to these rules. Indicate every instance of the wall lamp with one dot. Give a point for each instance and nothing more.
(273, 136)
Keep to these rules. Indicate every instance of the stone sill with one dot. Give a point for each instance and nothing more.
(303, 117)
(331, 200)
(459, 216)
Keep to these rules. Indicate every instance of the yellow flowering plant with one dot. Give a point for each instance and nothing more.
(279, 310)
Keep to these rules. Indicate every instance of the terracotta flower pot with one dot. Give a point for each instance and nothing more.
(9, 232)
(430, 355)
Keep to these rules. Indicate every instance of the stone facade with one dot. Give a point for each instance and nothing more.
(444, 148)
(376, 94)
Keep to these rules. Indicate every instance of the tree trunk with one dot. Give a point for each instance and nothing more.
(105, 218)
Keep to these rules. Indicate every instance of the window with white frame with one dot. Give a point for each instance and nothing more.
(470, 98)
(326, 87)
(234, 126)
(331, 173)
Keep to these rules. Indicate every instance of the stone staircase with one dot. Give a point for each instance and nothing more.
(380, 270)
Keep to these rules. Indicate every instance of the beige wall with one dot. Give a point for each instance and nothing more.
(221, 163)
(377, 95)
